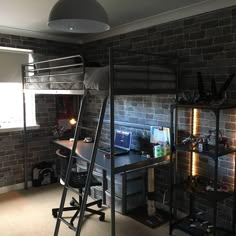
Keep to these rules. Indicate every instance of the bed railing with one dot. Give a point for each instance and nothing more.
(65, 73)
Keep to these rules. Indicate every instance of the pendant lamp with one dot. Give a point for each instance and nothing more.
(78, 16)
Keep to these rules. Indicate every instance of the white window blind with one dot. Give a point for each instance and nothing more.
(11, 97)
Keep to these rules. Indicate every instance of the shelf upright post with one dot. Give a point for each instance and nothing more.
(217, 116)
(191, 202)
(171, 166)
(112, 126)
(175, 121)
(234, 196)
(191, 158)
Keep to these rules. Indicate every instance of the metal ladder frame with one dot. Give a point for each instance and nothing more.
(90, 170)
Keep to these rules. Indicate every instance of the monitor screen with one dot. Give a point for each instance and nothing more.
(122, 139)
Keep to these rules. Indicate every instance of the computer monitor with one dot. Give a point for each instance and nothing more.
(123, 139)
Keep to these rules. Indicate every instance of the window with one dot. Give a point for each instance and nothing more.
(11, 97)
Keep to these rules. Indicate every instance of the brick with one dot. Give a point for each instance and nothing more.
(190, 44)
(204, 42)
(213, 49)
(230, 126)
(224, 21)
(189, 21)
(197, 35)
(209, 24)
(226, 164)
(224, 39)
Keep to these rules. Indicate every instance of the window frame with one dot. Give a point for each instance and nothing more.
(28, 102)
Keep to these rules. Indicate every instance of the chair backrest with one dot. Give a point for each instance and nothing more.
(63, 155)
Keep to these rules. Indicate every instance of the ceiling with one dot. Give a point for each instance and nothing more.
(29, 17)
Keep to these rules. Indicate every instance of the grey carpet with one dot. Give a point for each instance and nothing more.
(28, 213)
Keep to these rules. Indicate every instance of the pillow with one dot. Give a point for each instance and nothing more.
(96, 78)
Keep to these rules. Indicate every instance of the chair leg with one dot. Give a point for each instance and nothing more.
(74, 202)
(95, 212)
(74, 217)
(98, 203)
(75, 206)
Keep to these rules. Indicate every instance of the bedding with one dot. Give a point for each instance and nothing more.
(97, 78)
(70, 79)
(130, 77)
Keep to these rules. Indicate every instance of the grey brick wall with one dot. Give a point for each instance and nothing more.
(39, 141)
(39, 147)
(204, 43)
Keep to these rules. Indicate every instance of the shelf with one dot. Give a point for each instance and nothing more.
(199, 230)
(200, 191)
(210, 153)
(196, 187)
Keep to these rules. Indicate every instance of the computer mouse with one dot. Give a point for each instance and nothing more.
(88, 140)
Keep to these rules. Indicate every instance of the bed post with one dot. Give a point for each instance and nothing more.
(24, 130)
(112, 126)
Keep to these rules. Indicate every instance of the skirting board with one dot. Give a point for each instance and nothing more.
(14, 187)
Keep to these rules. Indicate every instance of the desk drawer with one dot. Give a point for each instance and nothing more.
(96, 192)
(133, 201)
(135, 184)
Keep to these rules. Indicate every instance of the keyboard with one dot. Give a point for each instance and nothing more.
(117, 151)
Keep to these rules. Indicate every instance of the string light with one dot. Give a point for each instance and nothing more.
(195, 131)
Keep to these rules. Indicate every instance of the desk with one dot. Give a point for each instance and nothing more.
(122, 164)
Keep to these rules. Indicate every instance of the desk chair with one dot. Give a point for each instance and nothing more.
(77, 180)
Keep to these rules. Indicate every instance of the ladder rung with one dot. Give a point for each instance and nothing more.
(67, 223)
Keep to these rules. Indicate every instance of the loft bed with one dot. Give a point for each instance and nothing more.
(137, 74)
(148, 74)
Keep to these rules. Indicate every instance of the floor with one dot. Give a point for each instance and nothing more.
(28, 213)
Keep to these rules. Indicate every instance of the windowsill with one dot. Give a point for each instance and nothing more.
(14, 129)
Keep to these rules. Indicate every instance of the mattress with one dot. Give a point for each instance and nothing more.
(97, 78)
(70, 79)
(131, 77)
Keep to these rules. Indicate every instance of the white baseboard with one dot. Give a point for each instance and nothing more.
(14, 187)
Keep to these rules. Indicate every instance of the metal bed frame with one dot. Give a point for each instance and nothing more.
(31, 68)
(111, 93)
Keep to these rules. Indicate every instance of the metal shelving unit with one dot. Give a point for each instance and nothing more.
(188, 186)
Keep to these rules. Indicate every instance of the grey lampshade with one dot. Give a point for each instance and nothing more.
(78, 16)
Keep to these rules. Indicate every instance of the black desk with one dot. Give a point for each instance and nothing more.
(123, 164)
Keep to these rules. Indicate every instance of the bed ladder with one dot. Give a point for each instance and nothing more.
(98, 129)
